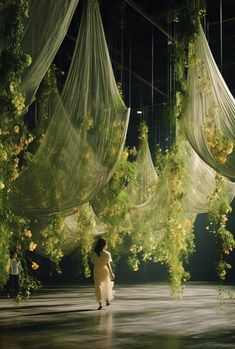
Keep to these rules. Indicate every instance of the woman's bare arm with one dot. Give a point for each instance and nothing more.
(110, 271)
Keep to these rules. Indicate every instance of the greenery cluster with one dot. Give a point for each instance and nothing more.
(177, 243)
(14, 140)
(219, 145)
(218, 210)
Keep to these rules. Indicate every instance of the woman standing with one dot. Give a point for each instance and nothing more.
(103, 274)
(15, 269)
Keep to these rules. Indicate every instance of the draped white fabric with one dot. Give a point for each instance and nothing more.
(45, 30)
(209, 119)
(86, 133)
(200, 182)
(144, 184)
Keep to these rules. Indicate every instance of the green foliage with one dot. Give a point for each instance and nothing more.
(52, 239)
(5, 237)
(85, 235)
(187, 18)
(28, 285)
(218, 210)
(112, 203)
(178, 242)
(160, 159)
(14, 139)
(14, 136)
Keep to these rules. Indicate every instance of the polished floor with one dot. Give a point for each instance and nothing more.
(141, 316)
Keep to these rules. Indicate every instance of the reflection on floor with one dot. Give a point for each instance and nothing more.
(141, 316)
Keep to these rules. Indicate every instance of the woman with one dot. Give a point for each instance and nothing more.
(14, 271)
(103, 274)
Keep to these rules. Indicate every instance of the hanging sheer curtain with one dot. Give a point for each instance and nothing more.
(86, 133)
(45, 30)
(72, 231)
(200, 182)
(142, 192)
(144, 184)
(209, 119)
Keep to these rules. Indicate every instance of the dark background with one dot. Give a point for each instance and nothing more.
(141, 56)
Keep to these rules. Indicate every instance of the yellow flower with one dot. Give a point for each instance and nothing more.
(90, 123)
(28, 60)
(2, 185)
(229, 149)
(125, 154)
(16, 163)
(16, 129)
(27, 233)
(14, 176)
(31, 138)
(32, 246)
(18, 149)
(19, 103)
(12, 87)
(87, 155)
(34, 266)
(3, 155)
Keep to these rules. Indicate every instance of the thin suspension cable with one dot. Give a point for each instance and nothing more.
(169, 86)
(142, 13)
(130, 85)
(138, 77)
(152, 54)
(122, 38)
(152, 91)
(143, 80)
(208, 32)
(221, 36)
(35, 111)
(224, 21)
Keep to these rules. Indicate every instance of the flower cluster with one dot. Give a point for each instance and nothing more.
(143, 131)
(14, 138)
(178, 243)
(53, 238)
(220, 146)
(19, 103)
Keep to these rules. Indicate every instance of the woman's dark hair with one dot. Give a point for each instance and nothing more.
(101, 243)
(12, 253)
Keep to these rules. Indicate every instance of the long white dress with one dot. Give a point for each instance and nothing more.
(103, 283)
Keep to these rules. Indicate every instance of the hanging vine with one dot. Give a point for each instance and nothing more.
(14, 139)
(218, 210)
(177, 243)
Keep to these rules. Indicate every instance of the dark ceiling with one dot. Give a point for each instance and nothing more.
(141, 55)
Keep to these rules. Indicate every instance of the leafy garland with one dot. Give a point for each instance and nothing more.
(52, 239)
(85, 224)
(49, 232)
(219, 145)
(112, 203)
(186, 20)
(178, 242)
(14, 139)
(218, 210)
